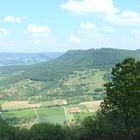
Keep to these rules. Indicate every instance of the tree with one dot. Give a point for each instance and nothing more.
(47, 131)
(123, 94)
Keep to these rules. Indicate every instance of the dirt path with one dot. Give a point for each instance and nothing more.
(2, 116)
(36, 117)
(66, 116)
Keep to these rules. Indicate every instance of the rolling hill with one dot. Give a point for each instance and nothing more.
(75, 75)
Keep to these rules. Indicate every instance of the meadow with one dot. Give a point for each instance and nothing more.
(53, 115)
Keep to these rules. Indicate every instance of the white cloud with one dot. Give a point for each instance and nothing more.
(32, 28)
(4, 32)
(89, 6)
(74, 39)
(14, 19)
(88, 26)
(124, 18)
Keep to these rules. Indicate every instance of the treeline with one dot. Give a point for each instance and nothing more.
(118, 119)
(93, 128)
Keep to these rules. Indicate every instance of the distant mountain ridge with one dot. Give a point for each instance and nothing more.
(95, 57)
(25, 58)
(78, 60)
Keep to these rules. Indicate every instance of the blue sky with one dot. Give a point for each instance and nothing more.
(61, 25)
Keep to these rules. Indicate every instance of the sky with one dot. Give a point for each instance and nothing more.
(61, 25)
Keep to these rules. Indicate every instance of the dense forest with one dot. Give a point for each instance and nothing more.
(118, 118)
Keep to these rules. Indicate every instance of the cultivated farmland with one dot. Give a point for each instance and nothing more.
(21, 114)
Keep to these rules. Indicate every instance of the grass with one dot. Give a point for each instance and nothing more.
(21, 118)
(28, 113)
(48, 104)
(78, 117)
(53, 115)
(70, 117)
(2, 102)
(13, 108)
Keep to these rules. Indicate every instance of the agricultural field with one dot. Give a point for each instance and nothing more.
(24, 118)
(27, 116)
(76, 113)
(18, 105)
(2, 102)
(48, 104)
(53, 115)
(92, 106)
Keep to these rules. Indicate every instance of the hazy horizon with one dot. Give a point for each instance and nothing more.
(64, 51)
(58, 26)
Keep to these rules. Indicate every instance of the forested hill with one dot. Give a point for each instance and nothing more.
(78, 60)
(95, 57)
(73, 60)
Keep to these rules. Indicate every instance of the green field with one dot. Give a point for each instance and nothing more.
(77, 117)
(13, 108)
(2, 102)
(48, 104)
(61, 115)
(54, 115)
(28, 117)
(20, 117)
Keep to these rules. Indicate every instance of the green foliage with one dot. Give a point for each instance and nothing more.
(47, 132)
(123, 95)
(119, 117)
(8, 132)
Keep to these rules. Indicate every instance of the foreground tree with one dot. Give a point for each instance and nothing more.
(123, 95)
(47, 131)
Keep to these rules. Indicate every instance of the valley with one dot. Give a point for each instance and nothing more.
(63, 90)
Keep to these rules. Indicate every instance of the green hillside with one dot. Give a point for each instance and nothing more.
(95, 57)
(76, 75)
